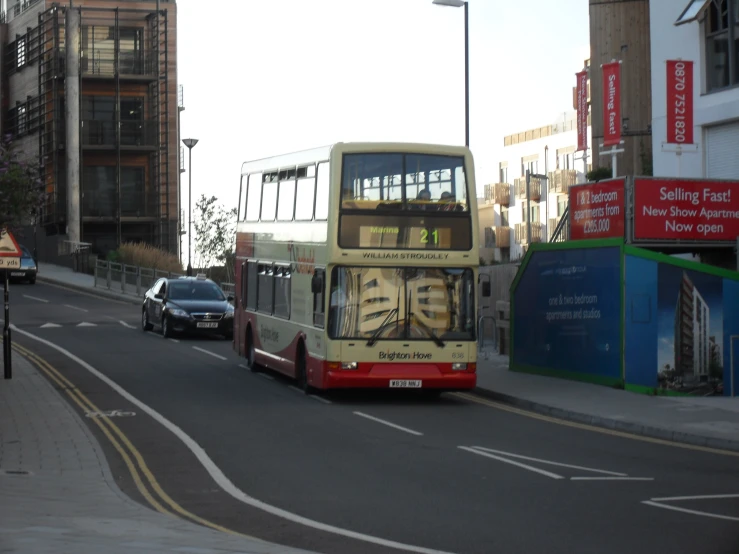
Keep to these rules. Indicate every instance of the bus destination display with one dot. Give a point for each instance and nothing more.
(417, 233)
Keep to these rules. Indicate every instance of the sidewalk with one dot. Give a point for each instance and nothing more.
(710, 421)
(703, 421)
(58, 495)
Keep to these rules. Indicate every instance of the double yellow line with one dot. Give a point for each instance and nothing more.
(142, 476)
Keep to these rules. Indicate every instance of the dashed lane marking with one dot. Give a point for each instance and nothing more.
(204, 351)
(388, 423)
(36, 298)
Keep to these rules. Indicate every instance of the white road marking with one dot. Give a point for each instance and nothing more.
(204, 351)
(687, 511)
(49, 325)
(320, 398)
(548, 462)
(265, 376)
(215, 472)
(76, 308)
(296, 389)
(701, 497)
(126, 324)
(85, 324)
(512, 462)
(389, 424)
(611, 478)
(243, 366)
(174, 340)
(35, 298)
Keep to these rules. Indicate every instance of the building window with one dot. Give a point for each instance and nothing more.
(504, 216)
(722, 44)
(20, 52)
(561, 206)
(530, 164)
(489, 237)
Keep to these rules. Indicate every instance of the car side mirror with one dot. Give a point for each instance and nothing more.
(316, 284)
(486, 288)
(159, 296)
(230, 298)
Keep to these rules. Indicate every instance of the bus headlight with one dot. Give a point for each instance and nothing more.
(349, 365)
(458, 366)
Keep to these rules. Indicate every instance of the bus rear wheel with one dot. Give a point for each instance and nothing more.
(250, 352)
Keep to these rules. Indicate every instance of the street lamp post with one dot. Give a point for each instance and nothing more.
(190, 143)
(459, 4)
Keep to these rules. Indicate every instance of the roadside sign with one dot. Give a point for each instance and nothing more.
(9, 247)
(10, 263)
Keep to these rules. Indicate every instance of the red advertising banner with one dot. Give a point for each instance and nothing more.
(679, 102)
(611, 103)
(582, 110)
(597, 210)
(684, 209)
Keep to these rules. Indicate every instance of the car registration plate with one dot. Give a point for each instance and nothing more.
(17, 274)
(207, 325)
(405, 384)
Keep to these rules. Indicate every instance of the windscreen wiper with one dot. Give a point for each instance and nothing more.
(373, 339)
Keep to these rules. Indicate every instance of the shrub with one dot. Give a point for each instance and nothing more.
(146, 255)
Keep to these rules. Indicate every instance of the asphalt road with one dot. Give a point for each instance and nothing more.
(455, 475)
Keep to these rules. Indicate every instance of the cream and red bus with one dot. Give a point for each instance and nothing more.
(357, 266)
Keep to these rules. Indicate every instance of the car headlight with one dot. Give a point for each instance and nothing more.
(178, 313)
(228, 315)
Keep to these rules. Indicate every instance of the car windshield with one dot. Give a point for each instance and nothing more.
(25, 252)
(381, 303)
(195, 290)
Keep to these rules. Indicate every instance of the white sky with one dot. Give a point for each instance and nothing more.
(268, 77)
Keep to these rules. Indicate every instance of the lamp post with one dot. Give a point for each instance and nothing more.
(459, 4)
(189, 142)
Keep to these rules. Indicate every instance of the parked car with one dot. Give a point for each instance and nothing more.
(188, 304)
(28, 268)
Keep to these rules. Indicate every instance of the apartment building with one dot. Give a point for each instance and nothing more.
(89, 87)
(692, 332)
(706, 33)
(508, 206)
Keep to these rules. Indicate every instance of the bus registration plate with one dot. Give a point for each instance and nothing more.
(208, 325)
(404, 384)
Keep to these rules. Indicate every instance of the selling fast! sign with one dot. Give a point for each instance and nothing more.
(611, 103)
(685, 209)
(597, 210)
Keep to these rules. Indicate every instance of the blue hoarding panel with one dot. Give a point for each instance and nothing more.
(640, 356)
(731, 328)
(567, 312)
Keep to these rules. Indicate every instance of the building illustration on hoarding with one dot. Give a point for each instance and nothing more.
(692, 329)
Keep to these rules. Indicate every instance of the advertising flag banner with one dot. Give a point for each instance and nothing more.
(582, 110)
(611, 103)
(679, 102)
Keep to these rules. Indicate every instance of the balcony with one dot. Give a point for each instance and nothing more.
(131, 65)
(489, 194)
(552, 226)
(502, 237)
(101, 204)
(521, 232)
(502, 194)
(561, 180)
(102, 134)
(519, 186)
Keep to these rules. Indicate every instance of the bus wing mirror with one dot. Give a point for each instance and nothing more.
(486, 288)
(316, 284)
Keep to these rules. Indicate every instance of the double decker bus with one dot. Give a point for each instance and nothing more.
(357, 266)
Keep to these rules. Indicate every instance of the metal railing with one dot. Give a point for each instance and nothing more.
(134, 280)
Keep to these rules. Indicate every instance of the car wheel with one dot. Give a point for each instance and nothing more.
(145, 324)
(250, 352)
(166, 330)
